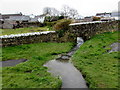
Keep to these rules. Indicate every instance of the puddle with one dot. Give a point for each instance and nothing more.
(11, 62)
(62, 67)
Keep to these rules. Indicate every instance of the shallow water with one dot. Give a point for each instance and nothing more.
(62, 67)
(71, 77)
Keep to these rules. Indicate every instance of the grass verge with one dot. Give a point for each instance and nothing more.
(22, 30)
(99, 67)
(32, 74)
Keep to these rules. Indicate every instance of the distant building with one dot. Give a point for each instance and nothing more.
(0, 16)
(109, 16)
(103, 14)
(7, 24)
(1, 21)
(88, 19)
(19, 18)
(39, 18)
(7, 16)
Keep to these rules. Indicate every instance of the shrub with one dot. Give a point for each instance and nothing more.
(96, 18)
(50, 24)
(62, 24)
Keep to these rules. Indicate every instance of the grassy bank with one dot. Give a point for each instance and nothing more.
(99, 67)
(32, 74)
(22, 30)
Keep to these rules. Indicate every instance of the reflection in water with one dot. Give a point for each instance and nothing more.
(71, 77)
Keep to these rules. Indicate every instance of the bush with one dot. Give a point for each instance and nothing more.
(50, 24)
(96, 18)
(62, 24)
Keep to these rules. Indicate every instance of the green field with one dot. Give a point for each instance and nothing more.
(32, 74)
(99, 67)
(22, 30)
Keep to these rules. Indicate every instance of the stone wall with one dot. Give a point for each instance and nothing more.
(49, 37)
(89, 29)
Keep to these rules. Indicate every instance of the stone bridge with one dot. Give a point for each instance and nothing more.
(88, 29)
(85, 30)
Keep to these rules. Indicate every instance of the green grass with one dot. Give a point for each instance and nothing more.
(99, 67)
(23, 30)
(32, 74)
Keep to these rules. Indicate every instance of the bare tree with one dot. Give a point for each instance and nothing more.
(51, 11)
(54, 12)
(73, 13)
(47, 10)
(69, 12)
(65, 10)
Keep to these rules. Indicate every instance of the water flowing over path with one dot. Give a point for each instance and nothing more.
(62, 66)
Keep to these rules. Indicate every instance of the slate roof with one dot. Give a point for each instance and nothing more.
(19, 18)
(98, 14)
(6, 16)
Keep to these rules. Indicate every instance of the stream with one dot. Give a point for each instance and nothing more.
(63, 67)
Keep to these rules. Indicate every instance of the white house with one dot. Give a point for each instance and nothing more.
(39, 18)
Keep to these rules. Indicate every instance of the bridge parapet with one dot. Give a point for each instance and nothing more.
(89, 29)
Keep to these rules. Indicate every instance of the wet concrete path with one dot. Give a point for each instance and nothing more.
(62, 66)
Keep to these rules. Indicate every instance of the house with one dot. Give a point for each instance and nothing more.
(1, 21)
(103, 14)
(7, 16)
(0, 16)
(7, 24)
(108, 16)
(39, 18)
(19, 18)
(88, 19)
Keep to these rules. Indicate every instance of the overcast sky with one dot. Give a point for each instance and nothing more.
(84, 7)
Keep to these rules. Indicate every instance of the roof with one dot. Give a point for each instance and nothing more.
(20, 14)
(5, 16)
(19, 18)
(88, 17)
(102, 14)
